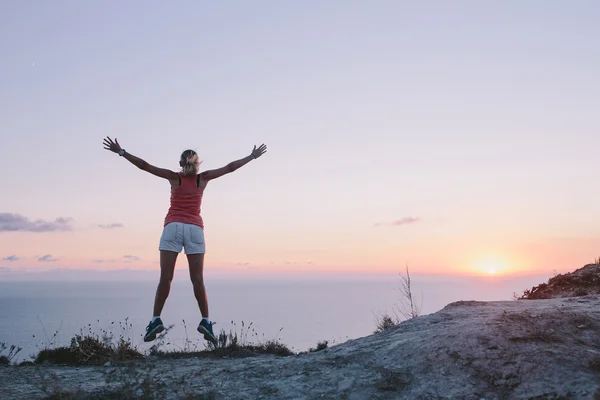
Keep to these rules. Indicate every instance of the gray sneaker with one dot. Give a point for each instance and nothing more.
(205, 328)
(153, 329)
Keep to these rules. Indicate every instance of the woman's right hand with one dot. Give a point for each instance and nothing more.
(262, 149)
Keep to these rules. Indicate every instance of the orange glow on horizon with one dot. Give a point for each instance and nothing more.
(491, 264)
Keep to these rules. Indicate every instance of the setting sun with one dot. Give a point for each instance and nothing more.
(492, 270)
(490, 266)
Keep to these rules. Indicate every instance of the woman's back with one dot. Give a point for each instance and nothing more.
(186, 202)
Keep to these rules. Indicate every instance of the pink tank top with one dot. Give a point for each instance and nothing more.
(186, 200)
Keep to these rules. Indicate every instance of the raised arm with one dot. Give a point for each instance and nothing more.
(115, 147)
(234, 165)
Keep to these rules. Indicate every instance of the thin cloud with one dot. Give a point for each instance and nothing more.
(47, 258)
(405, 221)
(400, 222)
(104, 261)
(15, 222)
(11, 258)
(111, 226)
(131, 258)
(299, 262)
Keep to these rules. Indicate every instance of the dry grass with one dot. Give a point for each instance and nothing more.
(8, 353)
(320, 346)
(406, 309)
(385, 321)
(582, 282)
(89, 348)
(245, 343)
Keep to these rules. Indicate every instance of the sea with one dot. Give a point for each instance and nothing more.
(298, 312)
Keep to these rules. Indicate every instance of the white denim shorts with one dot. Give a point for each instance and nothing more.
(177, 235)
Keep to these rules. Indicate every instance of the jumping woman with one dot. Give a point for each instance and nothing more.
(183, 227)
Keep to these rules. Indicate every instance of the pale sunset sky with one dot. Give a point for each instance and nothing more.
(461, 137)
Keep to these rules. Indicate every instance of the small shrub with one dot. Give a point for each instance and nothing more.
(59, 355)
(244, 343)
(232, 343)
(89, 348)
(581, 282)
(274, 347)
(7, 359)
(320, 346)
(385, 322)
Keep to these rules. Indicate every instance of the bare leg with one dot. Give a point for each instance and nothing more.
(196, 262)
(167, 269)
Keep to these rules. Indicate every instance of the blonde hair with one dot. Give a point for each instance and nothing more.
(189, 162)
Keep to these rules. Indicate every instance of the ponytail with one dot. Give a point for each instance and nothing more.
(189, 163)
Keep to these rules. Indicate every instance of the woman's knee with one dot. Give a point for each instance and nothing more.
(167, 264)
(197, 280)
(166, 277)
